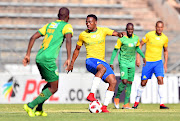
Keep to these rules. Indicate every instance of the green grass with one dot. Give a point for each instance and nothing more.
(80, 112)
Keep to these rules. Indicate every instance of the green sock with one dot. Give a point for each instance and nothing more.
(41, 98)
(120, 89)
(127, 93)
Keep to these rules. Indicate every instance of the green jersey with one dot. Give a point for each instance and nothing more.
(54, 36)
(127, 48)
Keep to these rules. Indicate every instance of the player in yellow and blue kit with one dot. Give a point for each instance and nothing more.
(94, 40)
(156, 41)
(54, 33)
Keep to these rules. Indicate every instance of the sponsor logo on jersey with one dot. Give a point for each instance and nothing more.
(131, 44)
(54, 25)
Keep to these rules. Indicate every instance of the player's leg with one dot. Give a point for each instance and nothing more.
(131, 72)
(147, 72)
(111, 79)
(121, 86)
(49, 73)
(96, 67)
(159, 73)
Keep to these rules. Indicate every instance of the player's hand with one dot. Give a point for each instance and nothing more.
(121, 34)
(26, 60)
(144, 61)
(112, 67)
(138, 62)
(165, 68)
(69, 68)
(67, 63)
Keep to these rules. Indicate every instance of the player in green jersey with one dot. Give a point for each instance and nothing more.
(54, 33)
(128, 46)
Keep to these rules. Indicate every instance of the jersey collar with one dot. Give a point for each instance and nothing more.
(130, 37)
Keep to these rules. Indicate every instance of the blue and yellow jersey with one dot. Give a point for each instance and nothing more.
(54, 34)
(154, 45)
(95, 42)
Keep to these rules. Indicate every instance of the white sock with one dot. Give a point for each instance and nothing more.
(108, 97)
(95, 84)
(161, 93)
(139, 93)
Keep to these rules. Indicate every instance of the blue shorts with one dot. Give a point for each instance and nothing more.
(155, 67)
(92, 63)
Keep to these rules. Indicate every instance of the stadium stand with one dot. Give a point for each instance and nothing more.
(19, 19)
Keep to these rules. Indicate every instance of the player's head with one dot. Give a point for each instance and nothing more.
(91, 22)
(159, 27)
(129, 29)
(63, 14)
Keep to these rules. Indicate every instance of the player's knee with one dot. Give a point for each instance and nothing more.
(103, 69)
(113, 82)
(124, 81)
(143, 84)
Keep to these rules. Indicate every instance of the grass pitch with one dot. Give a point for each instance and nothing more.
(80, 112)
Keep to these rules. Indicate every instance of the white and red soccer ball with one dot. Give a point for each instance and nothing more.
(95, 107)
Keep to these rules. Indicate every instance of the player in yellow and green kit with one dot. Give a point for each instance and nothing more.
(54, 33)
(128, 46)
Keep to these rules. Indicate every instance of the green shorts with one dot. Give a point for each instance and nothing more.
(127, 73)
(48, 71)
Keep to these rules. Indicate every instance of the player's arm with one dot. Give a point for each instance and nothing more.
(119, 34)
(75, 55)
(141, 54)
(26, 59)
(68, 48)
(165, 58)
(114, 53)
(138, 62)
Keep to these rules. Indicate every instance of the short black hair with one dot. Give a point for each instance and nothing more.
(129, 24)
(159, 22)
(63, 13)
(92, 15)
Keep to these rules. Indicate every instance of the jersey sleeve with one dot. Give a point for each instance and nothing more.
(108, 31)
(118, 44)
(67, 29)
(146, 38)
(166, 43)
(138, 43)
(80, 40)
(42, 30)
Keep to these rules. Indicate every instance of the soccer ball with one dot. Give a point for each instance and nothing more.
(95, 107)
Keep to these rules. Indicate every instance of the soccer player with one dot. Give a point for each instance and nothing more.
(94, 40)
(128, 46)
(54, 33)
(156, 41)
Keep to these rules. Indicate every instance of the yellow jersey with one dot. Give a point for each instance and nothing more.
(95, 42)
(154, 45)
